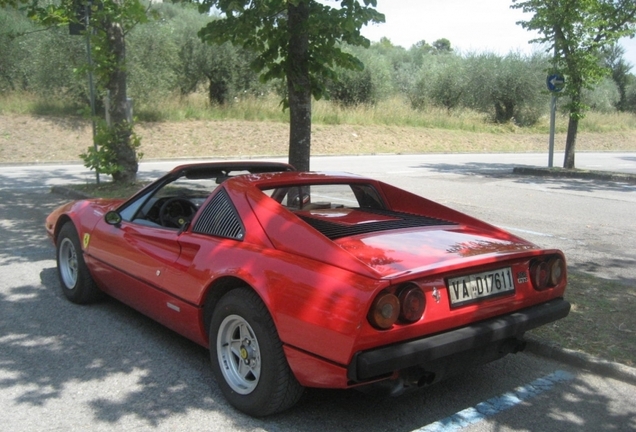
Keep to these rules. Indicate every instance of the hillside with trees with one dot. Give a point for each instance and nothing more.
(168, 64)
(167, 58)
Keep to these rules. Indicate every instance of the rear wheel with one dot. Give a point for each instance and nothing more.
(247, 356)
(77, 284)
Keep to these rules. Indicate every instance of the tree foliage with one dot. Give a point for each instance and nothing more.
(14, 52)
(298, 41)
(577, 31)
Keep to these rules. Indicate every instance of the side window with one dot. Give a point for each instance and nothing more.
(220, 218)
(132, 209)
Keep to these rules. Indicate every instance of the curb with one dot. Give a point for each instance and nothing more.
(581, 360)
(576, 173)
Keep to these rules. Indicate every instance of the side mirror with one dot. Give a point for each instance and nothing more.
(112, 218)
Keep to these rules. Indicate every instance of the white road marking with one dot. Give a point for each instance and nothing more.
(494, 406)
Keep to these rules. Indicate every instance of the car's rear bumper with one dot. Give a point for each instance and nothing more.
(372, 364)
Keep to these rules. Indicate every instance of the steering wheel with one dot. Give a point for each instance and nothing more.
(175, 212)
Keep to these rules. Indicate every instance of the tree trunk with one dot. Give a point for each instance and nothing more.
(298, 87)
(570, 142)
(573, 127)
(126, 155)
(218, 91)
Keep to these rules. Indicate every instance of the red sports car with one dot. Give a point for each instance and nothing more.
(307, 279)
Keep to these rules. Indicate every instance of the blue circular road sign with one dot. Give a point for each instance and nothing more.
(555, 82)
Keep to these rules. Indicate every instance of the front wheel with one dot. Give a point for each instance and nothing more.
(247, 356)
(77, 284)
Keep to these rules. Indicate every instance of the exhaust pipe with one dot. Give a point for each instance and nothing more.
(512, 346)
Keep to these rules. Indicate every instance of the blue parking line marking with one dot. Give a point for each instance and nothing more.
(493, 406)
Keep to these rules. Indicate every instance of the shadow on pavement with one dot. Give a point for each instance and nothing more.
(494, 170)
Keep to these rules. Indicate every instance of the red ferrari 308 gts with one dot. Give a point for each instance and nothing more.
(307, 279)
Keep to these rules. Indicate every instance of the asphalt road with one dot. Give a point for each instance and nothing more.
(106, 367)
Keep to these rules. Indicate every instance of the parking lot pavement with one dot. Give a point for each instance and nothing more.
(106, 367)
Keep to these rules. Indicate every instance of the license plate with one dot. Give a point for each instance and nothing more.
(478, 286)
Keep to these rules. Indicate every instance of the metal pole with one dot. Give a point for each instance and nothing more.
(553, 107)
(553, 104)
(91, 86)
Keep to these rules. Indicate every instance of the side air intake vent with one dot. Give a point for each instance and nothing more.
(220, 219)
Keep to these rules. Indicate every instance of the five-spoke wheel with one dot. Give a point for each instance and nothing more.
(237, 350)
(247, 356)
(77, 284)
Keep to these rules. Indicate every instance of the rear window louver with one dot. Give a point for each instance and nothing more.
(220, 219)
(334, 230)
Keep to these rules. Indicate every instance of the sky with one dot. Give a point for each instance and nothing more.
(470, 26)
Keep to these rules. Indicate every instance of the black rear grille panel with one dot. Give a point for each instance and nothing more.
(334, 230)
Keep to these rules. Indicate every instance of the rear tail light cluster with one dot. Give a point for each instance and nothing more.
(405, 306)
(547, 272)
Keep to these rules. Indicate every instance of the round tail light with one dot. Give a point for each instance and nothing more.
(539, 275)
(412, 303)
(385, 311)
(556, 267)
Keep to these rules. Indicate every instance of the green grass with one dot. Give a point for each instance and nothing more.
(602, 122)
(395, 112)
(26, 103)
(602, 320)
(196, 107)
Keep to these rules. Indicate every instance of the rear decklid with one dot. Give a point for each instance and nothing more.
(392, 242)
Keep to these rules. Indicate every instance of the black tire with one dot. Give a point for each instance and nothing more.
(247, 356)
(77, 284)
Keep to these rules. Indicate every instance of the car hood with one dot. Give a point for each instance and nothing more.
(425, 249)
(85, 213)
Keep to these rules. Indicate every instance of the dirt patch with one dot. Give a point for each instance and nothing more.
(33, 139)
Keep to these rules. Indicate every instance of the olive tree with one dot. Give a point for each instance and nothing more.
(14, 53)
(507, 88)
(620, 72)
(439, 81)
(368, 86)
